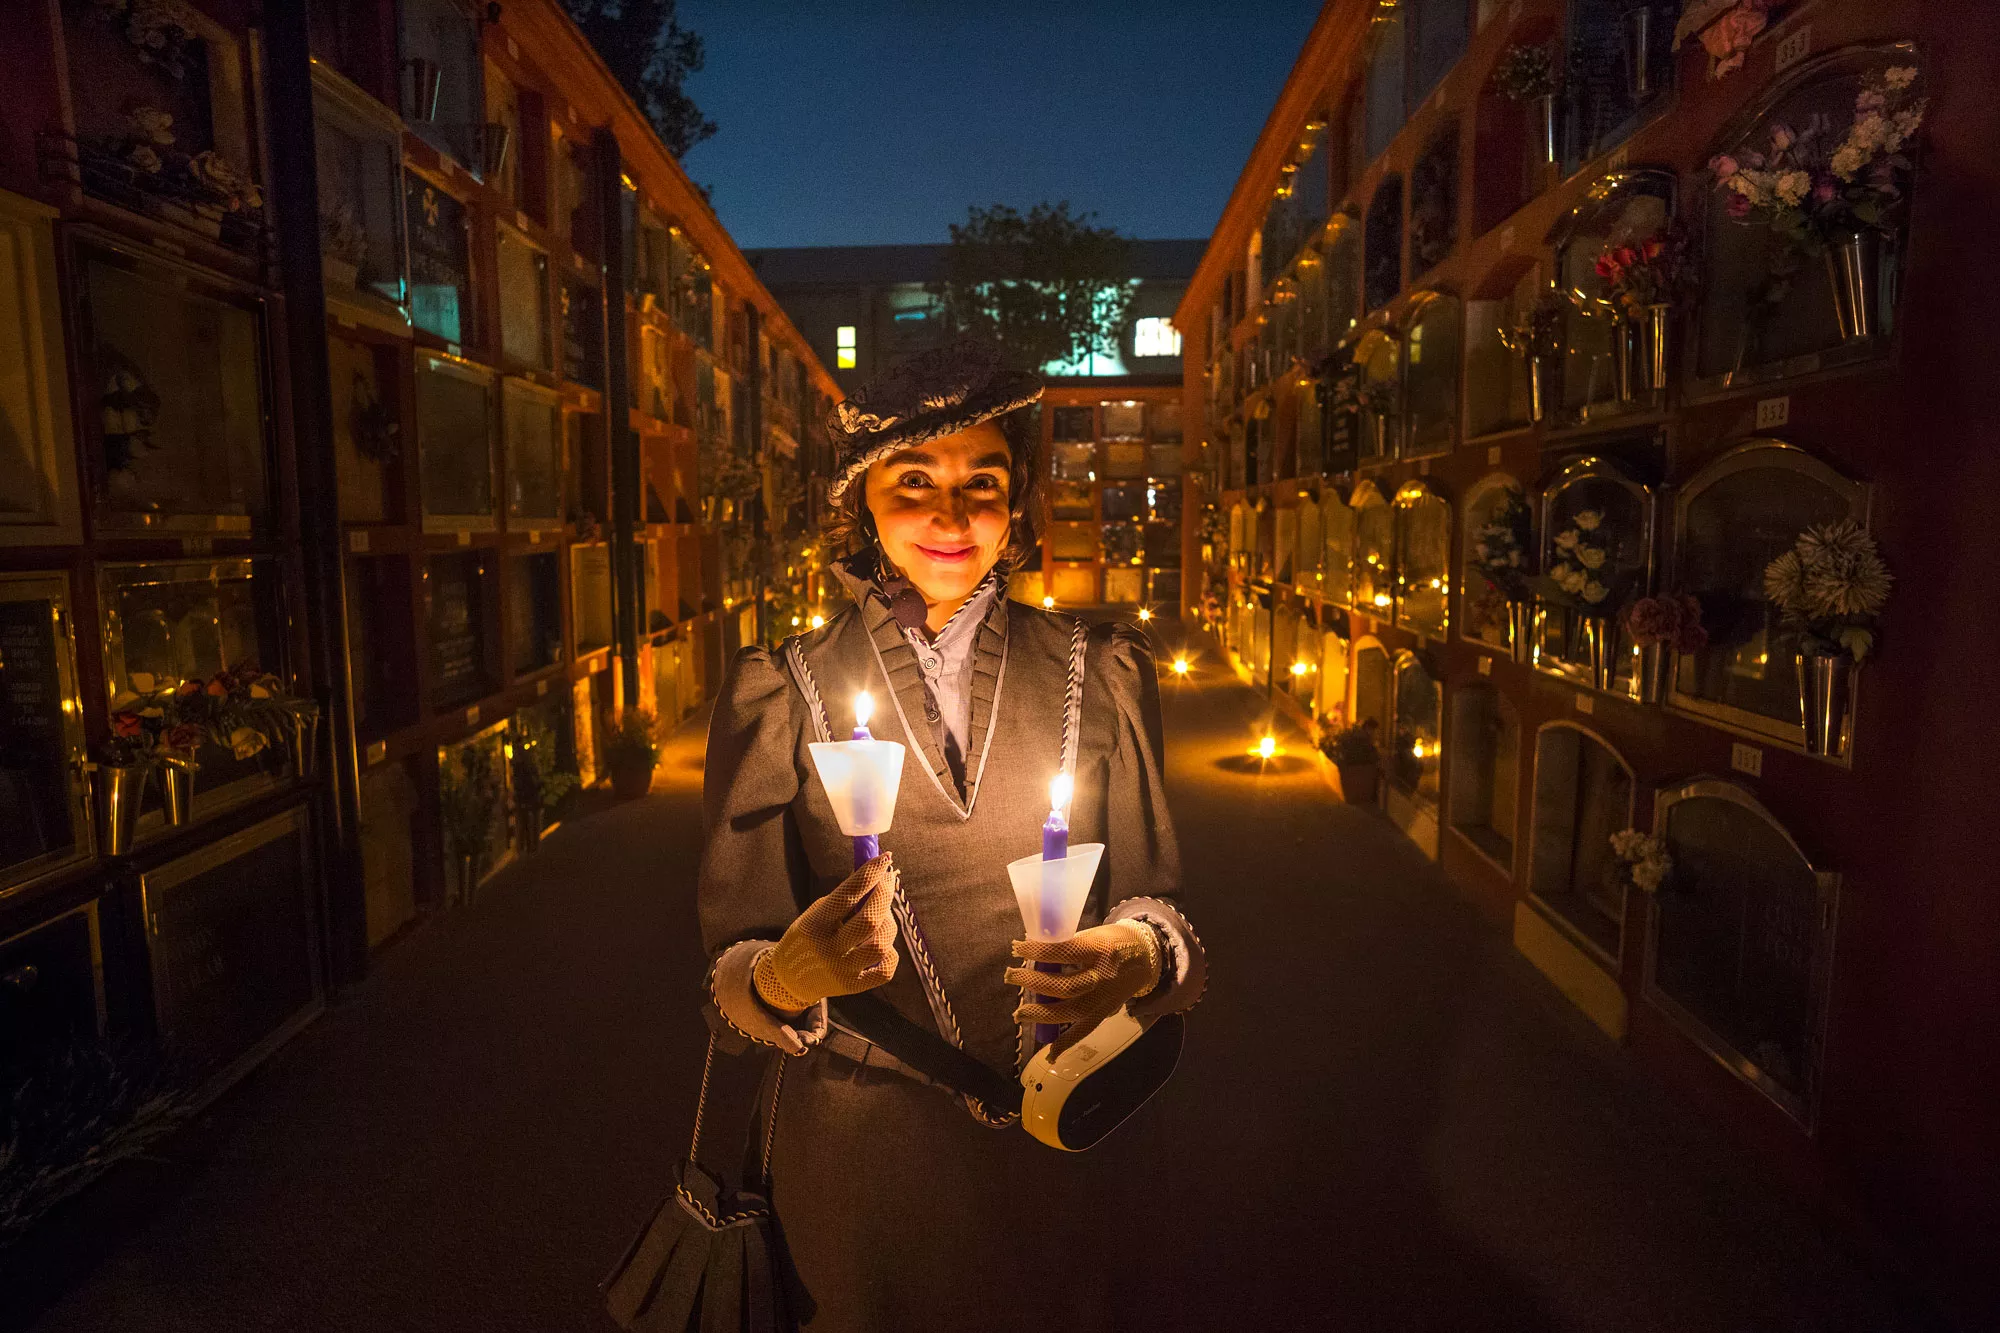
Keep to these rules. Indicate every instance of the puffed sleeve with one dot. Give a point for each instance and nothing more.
(753, 869)
(1144, 854)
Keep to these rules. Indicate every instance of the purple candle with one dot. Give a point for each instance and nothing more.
(1055, 847)
(867, 846)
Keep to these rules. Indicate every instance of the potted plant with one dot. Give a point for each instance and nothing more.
(1358, 761)
(630, 751)
(1527, 74)
(468, 798)
(1500, 557)
(1834, 199)
(1828, 590)
(1669, 623)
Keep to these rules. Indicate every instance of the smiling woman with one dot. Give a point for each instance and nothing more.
(990, 699)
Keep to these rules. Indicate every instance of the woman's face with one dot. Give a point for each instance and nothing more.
(941, 510)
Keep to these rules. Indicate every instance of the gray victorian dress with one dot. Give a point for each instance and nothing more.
(901, 1210)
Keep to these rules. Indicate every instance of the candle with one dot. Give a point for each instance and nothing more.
(861, 776)
(1055, 850)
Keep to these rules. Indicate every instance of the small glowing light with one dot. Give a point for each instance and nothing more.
(1180, 666)
(1145, 613)
(818, 621)
(1381, 599)
(508, 749)
(795, 622)
(1060, 787)
(1298, 668)
(863, 708)
(1267, 747)
(1416, 749)
(1048, 603)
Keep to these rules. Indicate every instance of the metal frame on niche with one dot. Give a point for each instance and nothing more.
(1503, 708)
(1358, 503)
(1467, 507)
(1406, 808)
(1592, 467)
(31, 339)
(1412, 309)
(55, 588)
(1410, 496)
(1803, 1110)
(1604, 193)
(1754, 453)
(1614, 963)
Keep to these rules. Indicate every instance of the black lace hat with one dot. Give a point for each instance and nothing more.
(931, 394)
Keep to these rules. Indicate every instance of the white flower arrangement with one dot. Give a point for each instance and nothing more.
(1642, 859)
(1829, 588)
(1499, 549)
(1577, 572)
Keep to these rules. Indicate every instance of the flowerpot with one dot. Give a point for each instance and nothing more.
(1638, 77)
(1600, 635)
(631, 781)
(1854, 267)
(1360, 784)
(177, 790)
(1521, 631)
(1825, 686)
(1543, 112)
(117, 791)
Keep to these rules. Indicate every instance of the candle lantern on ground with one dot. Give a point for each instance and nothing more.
(1051, 889)
(861, 776)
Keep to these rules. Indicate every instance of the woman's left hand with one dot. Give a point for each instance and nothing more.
(1106, 966)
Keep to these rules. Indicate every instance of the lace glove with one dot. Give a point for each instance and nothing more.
(1107, 966)
(844, 943)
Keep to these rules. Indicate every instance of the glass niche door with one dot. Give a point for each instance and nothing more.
(1596, 559)
(455, 445)
(44, 823)
(1423, 559)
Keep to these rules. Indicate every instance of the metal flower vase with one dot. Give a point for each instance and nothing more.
(1521, 631)
(1600, 636)
(1638, 49)
(1541, 379)
(1650, 663)
(1825, 686)
(177, 790)
(468, 876)
(1642, 360)
(302, 740)
(118, 790)
(1854, 268)
(1545, 124)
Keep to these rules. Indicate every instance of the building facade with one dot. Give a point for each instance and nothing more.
(384, 348)
(1463, 476)
(1110, 429)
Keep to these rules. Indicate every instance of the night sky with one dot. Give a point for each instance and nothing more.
(879, 122)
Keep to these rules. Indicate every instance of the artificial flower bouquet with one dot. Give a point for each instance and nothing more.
(1641, 274)
(1640, 860)
(1580, 573)
(1500, 548)
(1524, 73)
(1809, 186)
(1538, 332)
(243, 710)
(1829, 588)
(1671, 620)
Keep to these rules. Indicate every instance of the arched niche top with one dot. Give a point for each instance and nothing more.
(1846, 65)
(1420, 305)
(1619, 208)
(1766, 452)
(1598, 738)
(1706, 787)
(1590, 467)
(1414, 492)
(1491, 482)
(1365, 495)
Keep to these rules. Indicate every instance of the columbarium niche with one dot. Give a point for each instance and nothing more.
(1732, 519)
(1337, 537)
(1742, 939)
(1496, 375)
(1415, 750)
(1623, 208)
(1583, 795)
(1482, 600)
(455, 444)
(1330, 696)
(1484, 790)
(1591, 508)
(1307, 569)
(1373, 688)
(1767, 313)
(1430, 375)
(1374, 551)
(1383, 274)
(43, 821)
(1379, 355)
(1423, 559)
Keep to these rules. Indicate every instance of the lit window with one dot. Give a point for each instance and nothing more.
(843, 347)
(1155, 336)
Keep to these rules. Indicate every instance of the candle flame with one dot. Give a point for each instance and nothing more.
(1060, 787)
(1048, 603)
(1267, 747)
(863, 707)
(1180, 666)
(1145, 614)
(818, 621)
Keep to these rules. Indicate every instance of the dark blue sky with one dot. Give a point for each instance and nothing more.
(879, 121)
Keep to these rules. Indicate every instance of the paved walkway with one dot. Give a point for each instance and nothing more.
(1391, 1122)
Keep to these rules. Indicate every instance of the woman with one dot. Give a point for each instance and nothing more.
(903, 1207)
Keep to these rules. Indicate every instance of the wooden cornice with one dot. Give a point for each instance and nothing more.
(1332, 45)
(582, 82)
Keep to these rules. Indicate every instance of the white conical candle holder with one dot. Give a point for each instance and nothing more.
(1051, 894)
(861, 780)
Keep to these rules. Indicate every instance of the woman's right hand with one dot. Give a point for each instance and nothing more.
(842, 944)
